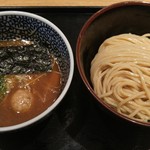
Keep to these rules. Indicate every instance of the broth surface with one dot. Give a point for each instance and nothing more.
(28, 95)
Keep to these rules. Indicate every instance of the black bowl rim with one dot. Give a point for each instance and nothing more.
(79, 65)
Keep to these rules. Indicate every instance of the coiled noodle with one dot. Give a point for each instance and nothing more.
(120, 74)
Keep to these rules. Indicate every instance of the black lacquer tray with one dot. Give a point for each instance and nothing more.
(77, 123)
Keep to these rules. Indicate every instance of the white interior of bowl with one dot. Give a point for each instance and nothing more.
(61, 96)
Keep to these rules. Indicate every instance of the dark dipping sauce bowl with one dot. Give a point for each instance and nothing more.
(125, 17)
(30, 44)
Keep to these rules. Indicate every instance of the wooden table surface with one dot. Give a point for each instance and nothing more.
(59, 2)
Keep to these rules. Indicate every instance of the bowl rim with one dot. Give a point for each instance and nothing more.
(79, 64)
(70, 75)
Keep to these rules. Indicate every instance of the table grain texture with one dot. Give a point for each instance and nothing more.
(60, 2)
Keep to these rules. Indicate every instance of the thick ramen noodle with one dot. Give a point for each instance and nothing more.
(120, 74)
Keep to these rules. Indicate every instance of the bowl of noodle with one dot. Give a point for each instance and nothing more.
(113, 59)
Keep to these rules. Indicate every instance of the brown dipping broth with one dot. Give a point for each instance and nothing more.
(40, 91)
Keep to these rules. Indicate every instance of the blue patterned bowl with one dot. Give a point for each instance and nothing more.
(31, 27)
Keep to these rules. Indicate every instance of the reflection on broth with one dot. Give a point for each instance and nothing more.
(15, 42)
